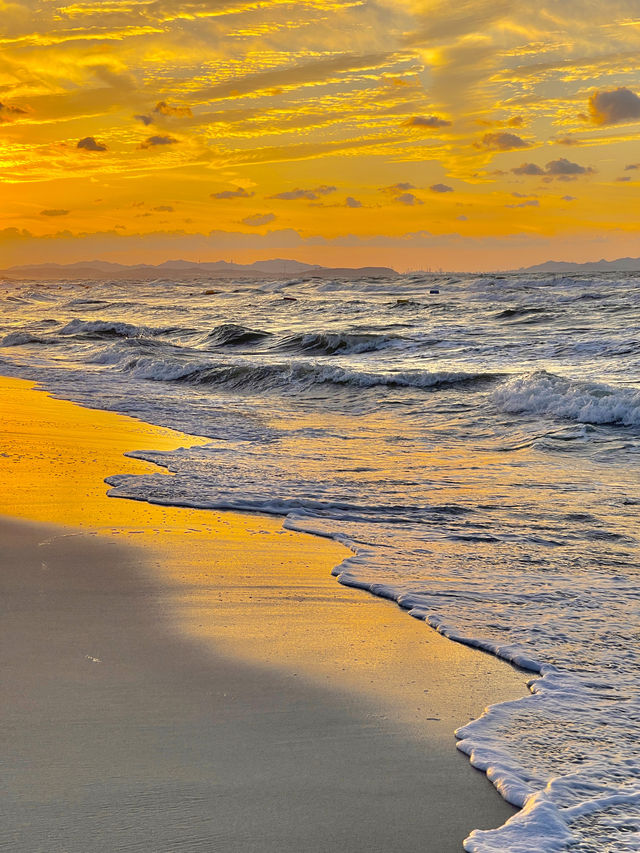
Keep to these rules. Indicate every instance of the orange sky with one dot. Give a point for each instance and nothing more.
(351, 132)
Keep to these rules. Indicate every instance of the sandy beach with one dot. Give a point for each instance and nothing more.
(178, 679)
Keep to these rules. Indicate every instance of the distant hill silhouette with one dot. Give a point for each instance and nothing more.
(275, 268)
(619, 265)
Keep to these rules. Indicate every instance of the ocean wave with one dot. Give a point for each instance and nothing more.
(543, 393)
(105, 328)
(231, 334)
(292, 376)
(18, 339)
(86, 303)
(99, 305)
(407, 303)
(100, 329)
(525, 314)
(331, 343)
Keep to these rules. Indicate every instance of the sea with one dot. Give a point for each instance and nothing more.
(474, 440)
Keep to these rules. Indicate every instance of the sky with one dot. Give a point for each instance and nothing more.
(415, 134)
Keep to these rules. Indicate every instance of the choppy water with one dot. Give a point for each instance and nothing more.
(478, 447)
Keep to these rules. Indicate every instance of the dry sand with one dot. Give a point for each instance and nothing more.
(178, 679)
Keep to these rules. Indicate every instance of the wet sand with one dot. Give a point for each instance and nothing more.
(179, 679)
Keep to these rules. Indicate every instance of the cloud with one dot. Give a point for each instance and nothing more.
(115, 75)
(15, 234)
(528, 169)
(153, 141)
(564, 167)
(292, 195)
(146, 120)
(566, 140)
(352, 202)
(9, 112)
(403, 186)
(514, 121)
(426, 121)
(532, 202)
(239, 192)
(561, 169)
(614, 106)
(170, 110)
(258, 219)
(568, 198)
(623, 180)
(502, 141)
(89, 143)
(409, 199)
(165, 208)
(54, 212)
(631, 167)
(461, 218)
(444, 22)
(440, 188)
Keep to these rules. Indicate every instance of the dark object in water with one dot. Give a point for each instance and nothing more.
(434, 290)
(290, 298)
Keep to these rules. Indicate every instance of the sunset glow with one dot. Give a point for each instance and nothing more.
(342, 132)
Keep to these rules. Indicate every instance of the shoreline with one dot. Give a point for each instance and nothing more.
(372, 696)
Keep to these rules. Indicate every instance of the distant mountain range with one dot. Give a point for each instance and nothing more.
(619, 265)
(191, 270)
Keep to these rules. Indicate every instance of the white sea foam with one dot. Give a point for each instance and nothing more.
(542, 393)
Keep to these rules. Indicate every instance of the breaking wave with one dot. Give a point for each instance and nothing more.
(543, 393)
